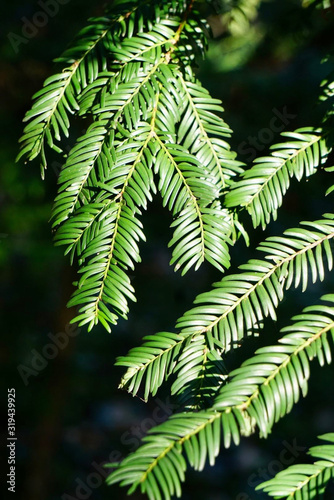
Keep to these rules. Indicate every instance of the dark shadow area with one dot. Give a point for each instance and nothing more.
(70, 416)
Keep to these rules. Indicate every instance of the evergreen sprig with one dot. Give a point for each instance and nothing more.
(236, 307)
(305, 481)
(262, 188)
(153, 129)
(257, 395)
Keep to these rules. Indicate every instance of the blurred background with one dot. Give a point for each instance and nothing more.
(70, 416)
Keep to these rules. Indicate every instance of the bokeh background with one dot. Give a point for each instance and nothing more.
(70, 416)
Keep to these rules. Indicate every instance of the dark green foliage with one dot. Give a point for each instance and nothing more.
(153, 128)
